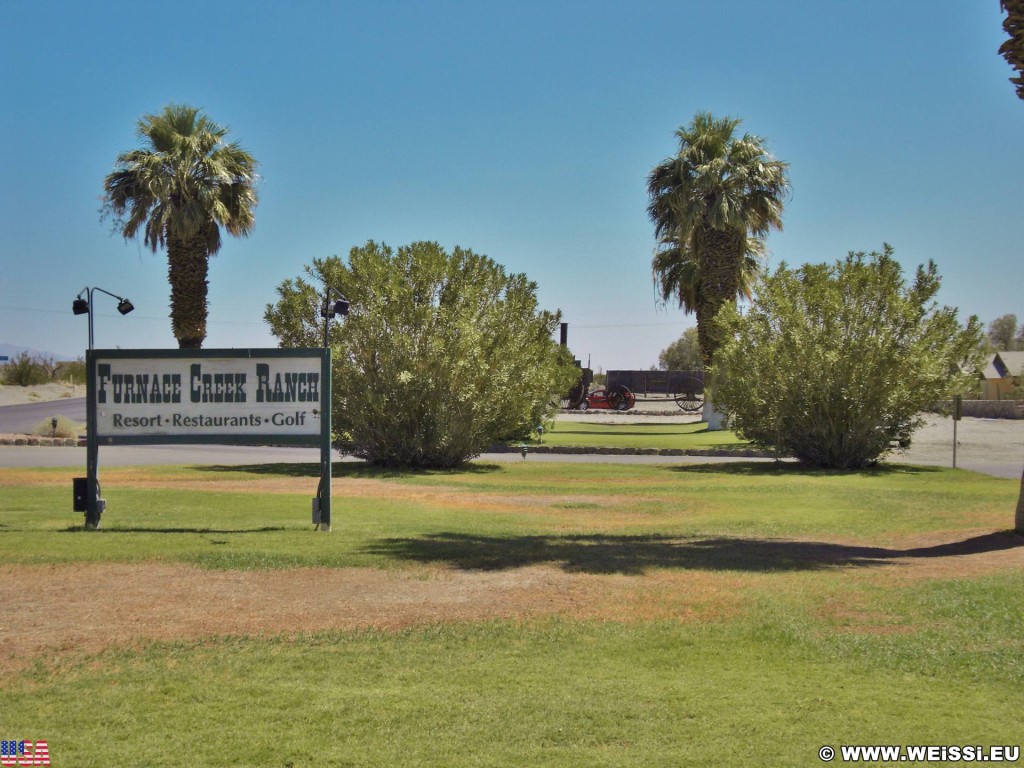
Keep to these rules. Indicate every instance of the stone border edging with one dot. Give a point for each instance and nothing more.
(35, 440)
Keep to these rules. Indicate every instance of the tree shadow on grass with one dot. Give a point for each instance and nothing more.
(634, 555)
(789, 468)
(264, 529)
(341, 470)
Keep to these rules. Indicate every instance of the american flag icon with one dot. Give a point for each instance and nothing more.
(24, 753)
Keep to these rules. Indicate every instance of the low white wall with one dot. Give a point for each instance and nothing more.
(987, 409)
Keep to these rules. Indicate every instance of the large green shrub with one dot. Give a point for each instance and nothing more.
(441, 354)
(833, 363)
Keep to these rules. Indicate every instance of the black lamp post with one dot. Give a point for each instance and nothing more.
(322, 507)
(87, 489)
(82, 306)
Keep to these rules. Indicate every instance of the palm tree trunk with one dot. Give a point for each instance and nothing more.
(188, 266)
(721, 260)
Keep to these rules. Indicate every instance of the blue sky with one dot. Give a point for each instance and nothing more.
(522, 130)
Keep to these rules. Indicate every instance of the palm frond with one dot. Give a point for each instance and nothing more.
(186, 179)
(1012, 49)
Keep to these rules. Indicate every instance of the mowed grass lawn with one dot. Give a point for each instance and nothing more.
(744, 614)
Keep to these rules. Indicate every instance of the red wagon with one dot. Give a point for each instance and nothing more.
(617, 398)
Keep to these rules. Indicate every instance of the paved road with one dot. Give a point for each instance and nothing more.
(22, 419)
(934, 446)
(202, 455)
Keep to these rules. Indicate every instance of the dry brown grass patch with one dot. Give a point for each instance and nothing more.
(54, 610)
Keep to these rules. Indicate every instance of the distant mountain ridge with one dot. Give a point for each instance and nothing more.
(10, 350)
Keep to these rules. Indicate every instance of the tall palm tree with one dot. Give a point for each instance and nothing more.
(712, 204)
(1013, 48)
(179, 189)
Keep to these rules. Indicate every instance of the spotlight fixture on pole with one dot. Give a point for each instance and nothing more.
(331, 309)
(83, 306)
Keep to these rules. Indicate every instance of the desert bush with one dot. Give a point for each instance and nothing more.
(834, 363)
(72, 371)
(65, 428)
(441, 355)
(25, 370)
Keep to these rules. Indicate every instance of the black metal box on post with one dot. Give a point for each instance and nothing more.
(80, 487)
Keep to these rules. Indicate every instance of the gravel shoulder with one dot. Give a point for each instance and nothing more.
(41, 393)
(978, 440)
(992, 446)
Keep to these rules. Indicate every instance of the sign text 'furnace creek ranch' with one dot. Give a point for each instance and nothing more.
(135, 388)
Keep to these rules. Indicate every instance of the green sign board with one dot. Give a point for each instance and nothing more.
(220, 396)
